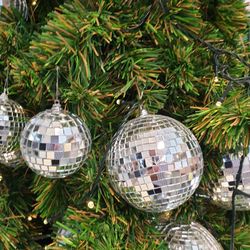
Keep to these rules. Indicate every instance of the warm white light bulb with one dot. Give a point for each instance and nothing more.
(216, 79)
(91, 204)
(218, 104)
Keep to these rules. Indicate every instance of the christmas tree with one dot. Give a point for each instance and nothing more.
(177, 58)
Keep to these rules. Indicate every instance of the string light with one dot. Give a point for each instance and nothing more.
(218, 103)
(34, 3)
(91, 204)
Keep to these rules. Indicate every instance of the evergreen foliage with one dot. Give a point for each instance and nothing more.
(103, 56)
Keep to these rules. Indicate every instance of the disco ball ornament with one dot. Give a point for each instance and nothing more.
(12, 122)
(223, 190)
(155, 163)
(55, 143)
(189, 237)
(20, 5)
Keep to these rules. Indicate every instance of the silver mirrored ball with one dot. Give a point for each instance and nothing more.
(223, 190)
(55, 143)
(20, 5)
(12, 122)
(189, 237)
(155, 163)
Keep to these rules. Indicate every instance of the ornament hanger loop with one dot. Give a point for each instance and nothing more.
(143, 111)
(57, 86)
(141, 95)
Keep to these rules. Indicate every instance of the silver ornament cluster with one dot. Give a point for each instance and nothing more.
(189, 237)
(223, 190)
(55, 143)
(155, 163)
(12, 122)
(20, 5)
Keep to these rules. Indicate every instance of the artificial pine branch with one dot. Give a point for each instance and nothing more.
(102, 60)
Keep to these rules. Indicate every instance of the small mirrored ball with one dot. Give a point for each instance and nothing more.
(188, 237)
(12, 122)
(223, 189)
(55, 143)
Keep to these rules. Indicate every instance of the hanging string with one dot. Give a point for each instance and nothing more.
(6, 84)
(216, 66)
(140, 100)
(57, 85)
